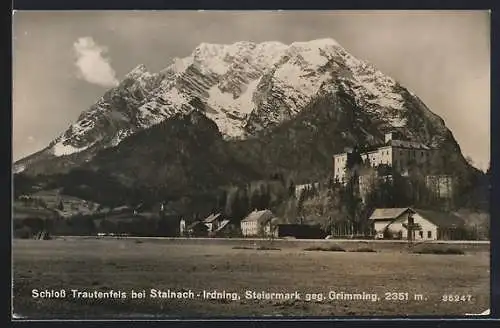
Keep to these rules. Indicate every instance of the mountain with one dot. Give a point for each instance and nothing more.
(184, 156)
(243, 87)
(265, 107)
(184, 152)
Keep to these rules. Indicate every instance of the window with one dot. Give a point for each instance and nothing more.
(429, 234)
(421, 233)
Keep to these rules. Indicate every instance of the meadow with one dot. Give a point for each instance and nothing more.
(423, 283)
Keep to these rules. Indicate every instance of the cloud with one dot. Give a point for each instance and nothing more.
(93, 67)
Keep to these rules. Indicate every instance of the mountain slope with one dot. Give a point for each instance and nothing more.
(303, 146)
(243, 87)
(182, 154)
(278, 107)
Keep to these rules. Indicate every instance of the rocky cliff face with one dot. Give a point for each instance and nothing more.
(269, 97)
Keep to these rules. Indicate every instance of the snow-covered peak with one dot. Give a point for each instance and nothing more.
(318, 43)
(244, 87)
(181, 64)
(209, 57)
(137, 71)
(219, 58)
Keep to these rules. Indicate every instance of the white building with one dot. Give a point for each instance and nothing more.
(253, 225)
(429, 225)
(395, 152)
(182, 227)
(300, 188)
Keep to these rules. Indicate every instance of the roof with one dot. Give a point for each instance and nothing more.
(222, 225)
(367, 149)
(407, 144)
(387, 213)
(441, 219)
(122, 208)
(261, 216)
(275, 221)
(212, 218)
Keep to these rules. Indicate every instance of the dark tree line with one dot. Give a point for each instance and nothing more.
(257, 196)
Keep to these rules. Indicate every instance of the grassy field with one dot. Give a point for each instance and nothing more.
(132, 264)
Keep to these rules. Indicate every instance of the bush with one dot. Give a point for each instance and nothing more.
(439, 250)
(266, 248)
(363, 250)
(331, 248)
(260, 248)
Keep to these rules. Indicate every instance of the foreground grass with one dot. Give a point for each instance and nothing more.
(124, 265)
(439, 250)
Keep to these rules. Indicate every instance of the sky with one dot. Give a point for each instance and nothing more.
(64, 61)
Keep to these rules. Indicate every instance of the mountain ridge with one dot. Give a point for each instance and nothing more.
(243, 87)
(279, 107)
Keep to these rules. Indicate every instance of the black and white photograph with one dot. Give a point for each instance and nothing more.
(197, 164)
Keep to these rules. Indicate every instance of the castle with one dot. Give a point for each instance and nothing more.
(395, 152)
(399, 154)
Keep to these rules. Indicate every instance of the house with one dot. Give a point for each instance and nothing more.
(253, 224)
(182, 227)
(301, 188)
(393, 223)
(212, 221)
(139, 208)
(197, 229)
(395, 152)
(222, 228)
(271, 227)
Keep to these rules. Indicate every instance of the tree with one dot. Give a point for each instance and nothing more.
(469, 160)
(291, 189)
(60, 206)
(313, 190)
(221, 200)
(256, 198)
(350, 194)
(241, 204)
(265, 196)
(330, 183)
(300, 204)
(231, 202)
